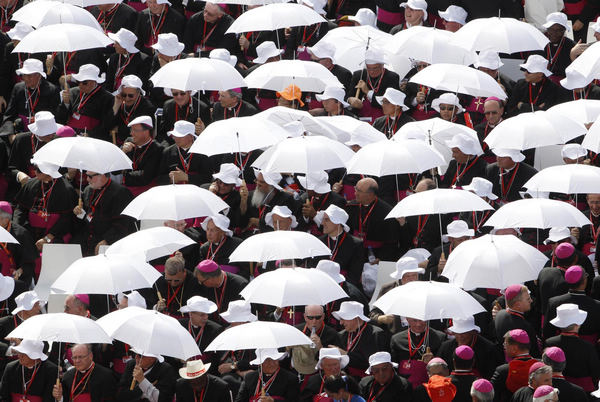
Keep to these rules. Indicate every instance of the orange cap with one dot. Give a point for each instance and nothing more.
(292, 93)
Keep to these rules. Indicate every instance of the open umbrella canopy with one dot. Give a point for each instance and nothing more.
(583, 111)
(438, 201)
(493, 261)
(106, 274)
(566, 179)
(41, 13)
(258, 335)
(62, 38)
(288, 287)
(282, 116)
(346, 127)
(588, 62)
(591, 140)
(275, 16)
(175, 202)
(306, 75)
(84, 153)
(152, 243)
(60, 327)
(429, 301)
(279, 245)
(202, 74)
(6, 237)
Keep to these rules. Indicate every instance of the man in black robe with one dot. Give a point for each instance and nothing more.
(218, 286)
(220, 243)
(231, 105)
(318, 197)
(113, 17)
(493, 110)
(466, 163)
(17, 259)
(127, 60)
(153, 379)
(176, 287)
(130, 103)
(183, 106)
(158, 18)
(382, 382)
(196, 384)
(558, 50)
(393, 107)
(205, 31)
(555, 358)
(518, 302)
(457, 232)
(224, 185)
(508, 174)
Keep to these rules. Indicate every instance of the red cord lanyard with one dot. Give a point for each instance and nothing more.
(552, 59)
(363, 222)
(93, 204)
(372, 395)
(458, 176)
(43, 202)
(336, 246)
(187, 111)
(510, 182)
(30, 103)
(388, 129)
(185, 162)
(69, 58)
(236, 111)
(155, 29)
(84, 98)
(172, 297)
(201, 394)
(304, 38)
(85, 378)
(352, 341)
(137, 159)
(477, 223)
(534, 101)
(198, 336)
(219, 299)
(127, 118)
(210, 255)
(121, 68)
(7, 15)
(375, 88)
(323, 201)
(593, 229)
(205, 37)
(420, 226)
(102, 16)
(266, 385)
(27, 384)
(412, 352)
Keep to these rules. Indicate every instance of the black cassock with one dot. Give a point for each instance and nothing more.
(216, 391)
(284, 386)
(43, 375)
(100, 384)
(162, 376)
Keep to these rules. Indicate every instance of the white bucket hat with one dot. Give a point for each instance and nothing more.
(406, 265)
(536, 64)
(134, 299)
(393, 96)
(271, 178)
(130, 81)
(416, 5)
(89, 72)
(419, 254)
(574, 80)
(332, 353)
(7, 286)
(19, 31)
(265, 51)
(482, 187)
(264, 354)
(488, 59)
(223, 54)
(595, 26)
(463, 325)
(284, 212)
(126, 39)
(228, 173)
(220, 221)
(143, 120)
(181, 128)
(193, 369)
(47, 168)
(33, 349)
(44, 124)
(32, 66)
(317, 5)
(323, 50)
(568, 314)
(513, 154)
(447, 98)
(467, 145)
(332, 269)
(238, 311)
(556, 18)
(315, 181)
(454, 14)
(374, 56)
(380, 358)
(146, 354)
(458, 229)
(364, 16)
(336, 215)
(199, 304)
(160, 2)
(350, 310)
(573, 151)
(333, 93)
(25, 301)
(168, 44)
(559, 233)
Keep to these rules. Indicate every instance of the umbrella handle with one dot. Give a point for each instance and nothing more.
(160, 298)
(132, 386)
(357, 93)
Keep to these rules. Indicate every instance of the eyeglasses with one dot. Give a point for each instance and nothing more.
(314, 317)
(448, 108)
(128, 95)
(178, 94)
(79, 357)
(91, 176)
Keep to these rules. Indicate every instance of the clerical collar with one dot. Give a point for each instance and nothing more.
(510, 169)
(340, 231)
(418, 25)
(515, 311)
(89, 367)
(145, 143)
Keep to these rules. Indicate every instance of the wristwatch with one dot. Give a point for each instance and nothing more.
(47, 239)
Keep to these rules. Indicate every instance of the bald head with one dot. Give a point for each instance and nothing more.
(366, 190)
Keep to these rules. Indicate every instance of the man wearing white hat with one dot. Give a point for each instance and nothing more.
(457, 232)
(558, 50)
(113, 17)
(196, 384)
(466, 163)
(301, 37)
(31, 377)
(393, 106)
(331, 363)
(127, 60)
(333, 103)
(382, 381)
(489, 62)
(182, 106)
(449, 107)
(493, 111)
(415, 14)
(130, 103)
(165, 50)
(33, 94)
(580, 86)
(28, 304)
(220, 243)
(87, 107)
(359, 338)
(249, 43)
(206, 29)
(476, 219)
(587, 236)
(158, 18)
(454, 18)
(324, 55)
(271, 380)
(153, 378)
(508, 174)
(535, 91)
(224, 185)
(281, 218)
(318, 197)
(583, 365)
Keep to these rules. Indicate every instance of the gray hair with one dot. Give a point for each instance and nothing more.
(482, 397)
(538, 372)
(231, 92)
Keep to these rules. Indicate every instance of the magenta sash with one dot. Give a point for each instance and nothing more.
(265, 103)
(368, 110)
(584, 382)
(24, 398)
(389, 17)
(230, 268)
(8, 264)
(137, 5)
(574, 8)
(415, 370)
(137, 190)
(83, 123)
(349, 192)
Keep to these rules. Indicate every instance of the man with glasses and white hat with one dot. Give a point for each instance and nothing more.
(323, 53)
(449, 108)
(33, 94)
(158, 18)
(493, 111)
(166, 49)
(224, 185)
(198, 324)
(333, 103)
(127, 60)
(382, 382)
(489, 62)
(88, 107)
(130, 103)
(318, 197)
(31, 377)
(206, 30)
(196, 385)
(476, 219)
(466, 163)
(152, 378)
(392, 104)
(183, 106)
(457, 232)
(558, 50)
(454, 18)
(220, 243)
(415, 14)
(330, 363)
(508, 174)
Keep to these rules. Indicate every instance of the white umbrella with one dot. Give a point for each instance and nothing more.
(238, 135)
(588, 62)
(493, 261)
(394, 157)
(281, 116)
(438, 201)
(106, 274)
(42, 13)
(429, 301)
(6, 237)
(279, 245)
(174, 202)
(150, 331)
(84, 153)
(591, 140)
(538, 213)
(503, 35)
(566, 179)
(62, 38)
(278, 75)
(154, 243)
(60, 327)
(288, 287)
(258, 335)
(458, 78)
(90, 3)
(202, 74)
(252, 2)
(430, 45)
(532, 130)
(583, 111)
(346, 127)
(304, 154)
(351, 43)
(275, 16)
